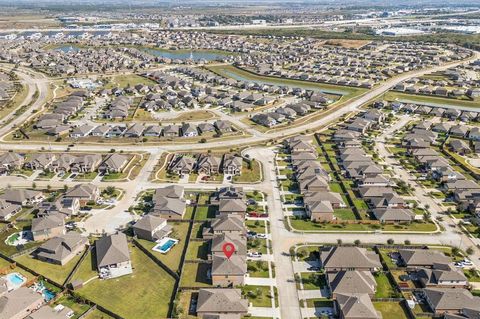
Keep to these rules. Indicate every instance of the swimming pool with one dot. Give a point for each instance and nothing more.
(165, 245)
(15, 280)
(48, 295)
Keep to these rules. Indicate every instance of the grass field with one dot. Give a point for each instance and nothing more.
(302, 225)
(56, 273)
(252, 175)
(123, 81)
(69, 302)
(414, 98)
(195, 275)
(391, 310)
(197, 250)
(132, 296)
(97, 314)
(384, 287)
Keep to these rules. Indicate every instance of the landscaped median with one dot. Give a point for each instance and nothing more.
(306, 225)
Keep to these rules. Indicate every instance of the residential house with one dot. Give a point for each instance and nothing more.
(228, 272)
(219, 303)
(151, 228)
(339, 258)
(60, 250)
(232, 164)
(47, 227)
(113, 256)
(19, 303)
(85, 193)
(114, 163)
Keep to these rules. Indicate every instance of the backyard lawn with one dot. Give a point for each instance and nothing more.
(205, 212)
(195, 275)
(384, 287)
(97, 314)
(132, 296)
(391, 310)
(319, 303)
(172, 258)
(197, 250)
(57, 273)
(68, 301)
(344, 214)
(10, 250)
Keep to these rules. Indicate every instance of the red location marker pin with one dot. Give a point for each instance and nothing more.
(228, 249)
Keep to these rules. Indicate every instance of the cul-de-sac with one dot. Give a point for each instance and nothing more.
(226, 160)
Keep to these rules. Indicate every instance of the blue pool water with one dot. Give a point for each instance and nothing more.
(15, 279)
(48, 295)
(169, 244)
(166, 246)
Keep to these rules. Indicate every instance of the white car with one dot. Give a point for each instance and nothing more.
(254, 254)
(263, 236)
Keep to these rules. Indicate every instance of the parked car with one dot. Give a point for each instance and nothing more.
(254, 254)
(261, 236)
(313, 268)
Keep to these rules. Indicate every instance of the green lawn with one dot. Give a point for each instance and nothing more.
(172, 258)
(252, 175)
(344, 214)
(259, 296)
(319, 303)
(197, 230)
(97, 314)
(57, 273)
(68, 301)
(391, 96)
(197, 250)
(257, 226)
(257, 244)
(312, 281)
(472, 275)
(258, 268)
(391, 310)
(127, 80)
(195, 275)
(384, 287)
(335, 187)
(132, 296)
(205, 212)
(301, 224)
(386, 258)
(4, 264)
(10, 250)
